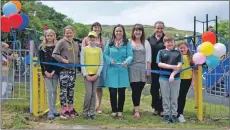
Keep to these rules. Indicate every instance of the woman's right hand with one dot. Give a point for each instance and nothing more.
(112, 62)
(65, 61)
(89, 78)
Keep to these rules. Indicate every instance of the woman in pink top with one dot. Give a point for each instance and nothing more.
(100, 43)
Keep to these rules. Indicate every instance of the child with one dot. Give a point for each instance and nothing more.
(50, 73)
(91, 54)
(101, 44)
(169, 60)
(187, 78)
(66, 51)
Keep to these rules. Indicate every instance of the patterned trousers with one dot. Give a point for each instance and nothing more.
(67, 83)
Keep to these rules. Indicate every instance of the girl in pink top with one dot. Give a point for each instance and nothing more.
(100, 43)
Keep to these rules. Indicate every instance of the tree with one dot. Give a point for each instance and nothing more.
(223, 28)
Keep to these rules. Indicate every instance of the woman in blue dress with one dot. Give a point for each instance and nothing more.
(118, 55)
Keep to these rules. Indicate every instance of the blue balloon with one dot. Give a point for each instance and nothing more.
(25, 22)
(212, 61)
(9, 8)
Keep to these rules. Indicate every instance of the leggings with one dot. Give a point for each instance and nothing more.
(67, 83)
(137, 88)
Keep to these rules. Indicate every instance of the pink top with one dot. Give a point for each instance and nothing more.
(101, 45)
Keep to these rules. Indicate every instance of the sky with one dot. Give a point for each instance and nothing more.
(176, 14)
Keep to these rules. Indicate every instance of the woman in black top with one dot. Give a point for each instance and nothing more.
(49, 72)
(156, 42)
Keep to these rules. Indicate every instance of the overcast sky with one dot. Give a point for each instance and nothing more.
(177, 14)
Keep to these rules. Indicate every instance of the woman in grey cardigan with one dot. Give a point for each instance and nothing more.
(141, 59)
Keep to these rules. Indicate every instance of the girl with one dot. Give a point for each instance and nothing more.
(101, 44)
(118, 54)
(141, 59)
(91, 54)
(49, 72)
(187, 78)
(66, 51)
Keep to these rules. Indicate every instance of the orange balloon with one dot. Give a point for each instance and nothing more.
(18, 4)
(209, 37)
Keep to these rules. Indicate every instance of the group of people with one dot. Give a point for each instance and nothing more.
(116, 65)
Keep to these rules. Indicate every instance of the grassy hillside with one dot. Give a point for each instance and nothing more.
(107, 31)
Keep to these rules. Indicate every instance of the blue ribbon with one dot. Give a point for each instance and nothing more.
(115, 65)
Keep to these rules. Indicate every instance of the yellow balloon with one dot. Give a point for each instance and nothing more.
(207, 48)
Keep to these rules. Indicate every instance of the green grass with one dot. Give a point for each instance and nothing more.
(19, 111)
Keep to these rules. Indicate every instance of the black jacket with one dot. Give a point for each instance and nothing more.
(156, 45)
(46, 56)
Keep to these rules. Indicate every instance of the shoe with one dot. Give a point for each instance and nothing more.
(86, 117)
(92, 117)
(120, 115)
(56, 114)
(98, 110)
(64, 113)
(50, 116)
(166, 119)
(174, 119)
(161, 114)
(73, 113)
(114, 115)
(181, 118)
(155, 113)
(136, 114)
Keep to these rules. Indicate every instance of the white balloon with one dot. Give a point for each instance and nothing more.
(219, 49)
(198, 48)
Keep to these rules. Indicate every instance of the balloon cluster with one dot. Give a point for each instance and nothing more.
(209, 51)
(11, 18)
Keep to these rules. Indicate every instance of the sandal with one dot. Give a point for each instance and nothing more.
(120, 116)
(137, 115)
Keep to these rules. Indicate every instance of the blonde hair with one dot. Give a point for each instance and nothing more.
(44, 42)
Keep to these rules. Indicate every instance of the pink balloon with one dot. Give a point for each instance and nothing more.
(199, 58)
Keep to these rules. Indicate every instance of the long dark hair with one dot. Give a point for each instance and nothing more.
(97, 24)
(125, 40)
(141, 28)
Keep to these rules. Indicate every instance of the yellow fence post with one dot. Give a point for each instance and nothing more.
(35, 88)
(200, 94)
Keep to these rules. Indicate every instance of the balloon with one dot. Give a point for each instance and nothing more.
(212, 61)
(209, 37)
(18, 4)
(219, 49)
(207, 48)
(9, 8)
(198, 58)
(10, 58)
(5, 24)
(25, 22)
(15, 20)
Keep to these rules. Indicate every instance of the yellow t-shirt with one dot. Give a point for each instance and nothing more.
(93, 57)
(187, 74)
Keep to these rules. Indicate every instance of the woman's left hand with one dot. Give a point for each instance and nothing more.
(124, 64)
(148, 74)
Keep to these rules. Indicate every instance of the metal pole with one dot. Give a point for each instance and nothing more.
(203, 27)
(31, 75)
(206, 22)
(216, 29)
(194, 33)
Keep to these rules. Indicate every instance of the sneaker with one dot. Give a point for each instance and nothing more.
(114, 115)
(120, 115)
(181, 118)
(73, 113)
(86, 117)
(50, 116)
(161, 114)
(64, 114)
(155, 113)
(92, 117)
(174, 119)
(98, 110)
(166, 119)
(56, 114)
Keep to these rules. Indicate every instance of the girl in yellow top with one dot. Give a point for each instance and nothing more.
(186, 76)
(91, 55)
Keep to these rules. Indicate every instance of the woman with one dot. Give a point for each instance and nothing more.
(156, 42)
(141, 59)
(118, 54)
(101, 44)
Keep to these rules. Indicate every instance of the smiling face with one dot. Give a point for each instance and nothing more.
(69, 33)
(169, 44)
(119, 32)
(183, 49)
(97, 29)
(159, 29)
(50, 37)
